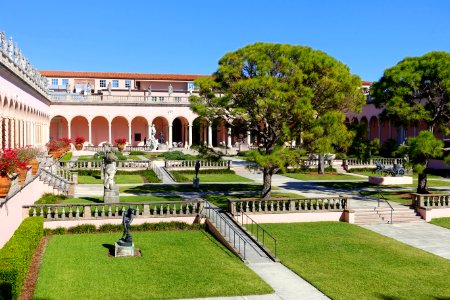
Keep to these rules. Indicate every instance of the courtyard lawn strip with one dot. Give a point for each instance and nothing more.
(119, 179)
(443, 222)
(327, 176)
(174, 264)
(185, 177)
(182, 188)
(349, 262)
(149, 198)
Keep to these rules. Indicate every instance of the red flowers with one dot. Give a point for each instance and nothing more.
(80, 140)
(54, 145)
(120, 141)
(9, 162)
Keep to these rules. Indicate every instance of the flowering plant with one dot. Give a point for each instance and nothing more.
(27, 153)
(120, 141)
(80, 140)
(9, 162)
(54, 145)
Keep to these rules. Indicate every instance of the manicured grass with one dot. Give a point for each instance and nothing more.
(86, 157)
(149, 198)
(349, 185)
(401, 197)
(174, 264)
(349, 262)
(66, 157)
(160, 188)
(186, 177)
(326, 176)
(133, 157)
(443, 222)
(120, 179)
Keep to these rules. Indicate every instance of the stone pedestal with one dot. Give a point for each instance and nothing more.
(121, 251)
(196, 182)
(163, 146)
(389, 180)
(111, 196)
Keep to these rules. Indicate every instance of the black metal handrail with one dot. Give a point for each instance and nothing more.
(381, 196)
(223, 224)
(261, 234)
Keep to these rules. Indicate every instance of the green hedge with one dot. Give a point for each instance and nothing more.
(66, 157)
(16, 255)
(147, 174)
(161, 226)
(51, 199)
(137, 153)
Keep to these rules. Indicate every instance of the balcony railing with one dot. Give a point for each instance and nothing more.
(149, 100)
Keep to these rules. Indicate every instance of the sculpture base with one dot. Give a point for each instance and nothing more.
(121, 251)
(163, 146)
(195, 182)
(389, 180)
(111, 196)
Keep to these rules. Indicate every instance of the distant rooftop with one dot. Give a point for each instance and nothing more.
(117, 75)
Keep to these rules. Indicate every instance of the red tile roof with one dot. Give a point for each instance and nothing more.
(116, 75)
(137, 76)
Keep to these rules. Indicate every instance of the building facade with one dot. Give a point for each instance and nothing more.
(104, 106)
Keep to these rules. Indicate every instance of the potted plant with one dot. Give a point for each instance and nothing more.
(79, 141)
(27, 156)
(120, 143)
(57, 147)
(9, 164)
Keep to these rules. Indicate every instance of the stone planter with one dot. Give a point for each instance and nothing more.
(121, 146)
(79, 147)
(22, 174)
(5, 184)
(34, 165)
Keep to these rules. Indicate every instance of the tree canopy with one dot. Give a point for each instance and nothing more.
(277, 92)
(416, 89)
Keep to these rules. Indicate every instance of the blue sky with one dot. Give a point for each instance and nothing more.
(189, 37)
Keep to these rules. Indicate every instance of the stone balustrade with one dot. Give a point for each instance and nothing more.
(114, 148)
(89, 211)
(12, 58)
(274, 205)
(162, 99)
(431, 200)
(371, 162)
(190, 164)
(97, 164)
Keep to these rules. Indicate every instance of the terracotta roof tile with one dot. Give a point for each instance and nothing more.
(117, 75)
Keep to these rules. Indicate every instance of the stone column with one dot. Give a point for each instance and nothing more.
(229, 138)
(90, 132)
(6, 133)
(130, 141)
(379, 130)
(69, 133)
(249, 138)
(109, 130)
(190, 135)
(1, 133)
(209, 135)
(149, 132)
(170, 136)
(13, 141)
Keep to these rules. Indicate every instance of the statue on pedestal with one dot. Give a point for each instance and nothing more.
(109, 88)
(152, 139)
(110, 189)
(170, 89)
(127, 218)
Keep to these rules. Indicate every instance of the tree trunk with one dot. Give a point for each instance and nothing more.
(267, 183)
(422, 187)
(321, 164)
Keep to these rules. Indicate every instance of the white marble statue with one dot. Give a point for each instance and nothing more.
(170, 89)
(153, 141)
(109, 169)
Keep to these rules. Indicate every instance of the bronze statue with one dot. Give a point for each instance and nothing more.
(127, 218)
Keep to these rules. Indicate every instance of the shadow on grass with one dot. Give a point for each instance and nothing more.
(188, 188)
(111, 248)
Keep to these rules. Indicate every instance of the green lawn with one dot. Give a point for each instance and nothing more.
(120, 179)
(403, 197)
(185, 177)
(222, 200)
(443, 222)
(326, 176)
(349, 262)
(150, 198)
(86, 157)
(133, 157)
(174, 264)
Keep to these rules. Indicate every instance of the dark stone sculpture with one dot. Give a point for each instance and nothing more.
(127, 218)
(197, 168)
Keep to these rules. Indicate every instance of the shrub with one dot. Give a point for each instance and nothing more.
(137, 153)
(66, 157)
(16, 255)
(174, 155)
(84, 228)
(51, 199)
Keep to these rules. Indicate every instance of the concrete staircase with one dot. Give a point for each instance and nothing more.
(382, 215)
